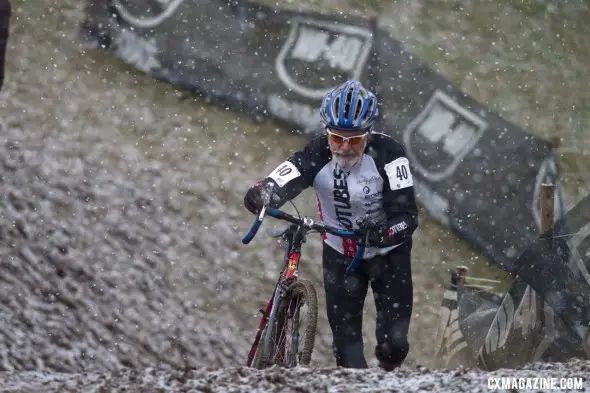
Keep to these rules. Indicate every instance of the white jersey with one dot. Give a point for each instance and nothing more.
(379, 188)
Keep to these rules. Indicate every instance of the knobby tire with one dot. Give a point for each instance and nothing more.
(297, 290)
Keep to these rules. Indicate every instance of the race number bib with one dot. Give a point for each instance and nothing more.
(284, 173)
(398, 173)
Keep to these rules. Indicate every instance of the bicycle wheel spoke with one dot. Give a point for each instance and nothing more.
(294, 353)
(292, 332)
(297, 313)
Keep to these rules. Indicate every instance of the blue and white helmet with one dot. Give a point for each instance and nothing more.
(349, 107)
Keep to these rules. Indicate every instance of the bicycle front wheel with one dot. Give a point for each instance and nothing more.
(297, 319)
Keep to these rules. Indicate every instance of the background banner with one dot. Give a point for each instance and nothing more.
(474, 171)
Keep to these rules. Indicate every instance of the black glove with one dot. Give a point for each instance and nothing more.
(373, 233)
(369, 232)
(387, 233)
(260, 194)
(253, 200)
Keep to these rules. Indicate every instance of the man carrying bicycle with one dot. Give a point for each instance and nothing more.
(363, 182)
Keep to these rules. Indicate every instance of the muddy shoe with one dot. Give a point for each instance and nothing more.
(389, 366)
(387, 359)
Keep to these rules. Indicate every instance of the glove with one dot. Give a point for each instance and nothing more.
(253, 200)
(369, 232)
(388, 233)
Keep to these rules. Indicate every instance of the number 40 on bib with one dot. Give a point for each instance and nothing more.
(398, 173)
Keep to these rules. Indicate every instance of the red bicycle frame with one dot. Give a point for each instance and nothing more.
(295, 235)
(288, 275)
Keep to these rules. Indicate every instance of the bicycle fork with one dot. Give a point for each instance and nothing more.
(269, 314)
(292, 256)
(278, 294)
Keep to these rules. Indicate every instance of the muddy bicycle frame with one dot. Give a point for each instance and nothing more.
(295, 235)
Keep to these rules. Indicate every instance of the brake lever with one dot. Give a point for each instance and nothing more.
(269, 190)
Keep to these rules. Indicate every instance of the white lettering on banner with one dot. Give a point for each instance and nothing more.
(313, 45)
(444, 321)
(284, 173)
(526, 318)
(535, 383)
(398, 173)
(168, 8)
(310, 44)
(498, 333)
(345, 47)
(507, 318)
(292, 111)
(448, 127)
(449, 340)
(525, 315)
(137, 51)
(439, 126)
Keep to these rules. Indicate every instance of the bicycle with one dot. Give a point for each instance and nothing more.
(269, 343)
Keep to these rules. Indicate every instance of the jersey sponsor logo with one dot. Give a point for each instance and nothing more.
(146, 14)
(284, 173)
(397, 228)
(342, 199)
(376, 195)
(318, 54)
(369, 180)
(441, 135)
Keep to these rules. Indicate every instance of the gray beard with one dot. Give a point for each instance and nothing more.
(346, 162)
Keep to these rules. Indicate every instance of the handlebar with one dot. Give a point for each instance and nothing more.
(308, 223)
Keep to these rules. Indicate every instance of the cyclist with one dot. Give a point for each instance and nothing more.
(362, 181)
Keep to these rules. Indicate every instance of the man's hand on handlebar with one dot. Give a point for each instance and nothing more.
(367, 230)
(305, 222)
(258, 196)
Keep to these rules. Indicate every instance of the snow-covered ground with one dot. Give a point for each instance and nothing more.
(573, 377)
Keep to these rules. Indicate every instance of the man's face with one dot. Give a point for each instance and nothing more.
(347, 146)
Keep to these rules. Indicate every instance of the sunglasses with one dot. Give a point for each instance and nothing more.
(352, 140)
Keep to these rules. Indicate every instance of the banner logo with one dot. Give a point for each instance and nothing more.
(441, 136)
(320, 55)
(145, 14)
